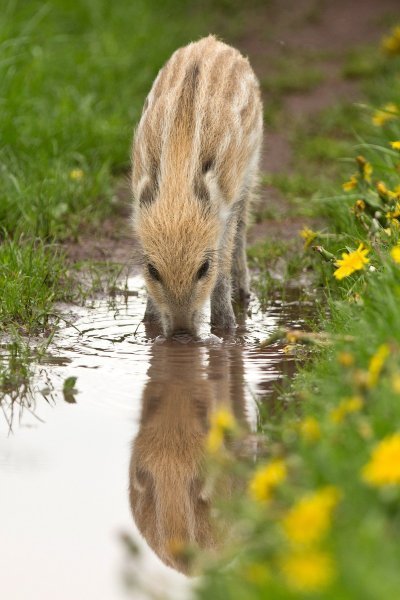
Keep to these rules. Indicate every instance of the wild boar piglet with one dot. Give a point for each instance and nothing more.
(194, 170)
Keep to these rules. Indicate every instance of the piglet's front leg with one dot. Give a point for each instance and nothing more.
(222, 315)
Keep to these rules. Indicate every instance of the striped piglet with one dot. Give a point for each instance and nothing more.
(195, 163)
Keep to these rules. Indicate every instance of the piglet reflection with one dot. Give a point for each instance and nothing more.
(170, 494)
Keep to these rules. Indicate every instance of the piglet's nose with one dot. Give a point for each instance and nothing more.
(183, 336)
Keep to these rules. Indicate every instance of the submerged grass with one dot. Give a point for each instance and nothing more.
(16, 372)
(16, 394)
(328, 526)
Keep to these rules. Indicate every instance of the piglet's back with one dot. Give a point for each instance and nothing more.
(202, 114)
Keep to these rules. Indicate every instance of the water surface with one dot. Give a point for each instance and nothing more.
(65, 461)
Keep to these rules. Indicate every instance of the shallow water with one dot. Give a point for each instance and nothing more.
(64, 460)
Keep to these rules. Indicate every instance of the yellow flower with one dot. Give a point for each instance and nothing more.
(310, 430)
(395, 253)
(292, 337)
(396, 383)
(310, 571)
(391, 43)
(350, 262)
(266, 479)
(221, 422)
(346, 359)
(223, 419)
(308, 236)
(385, 193)
(386, 113)
(310, 518)
(394, 215)
(395, 145)
(384, 466)
(365, 168)
(215, 440)
(368, 172)
(288, 349)
(76, 174)
(395, 212)
(350, 184)
(359, 206)
(347, 406)
(382, 189)
(376, 364)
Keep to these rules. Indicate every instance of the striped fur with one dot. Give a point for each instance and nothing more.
(172, 498)
(195, 162)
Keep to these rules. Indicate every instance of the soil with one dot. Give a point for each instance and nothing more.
(306, 27)
(112, 240)
(274, 30)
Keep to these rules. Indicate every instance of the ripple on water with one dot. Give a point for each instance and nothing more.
(65, 467)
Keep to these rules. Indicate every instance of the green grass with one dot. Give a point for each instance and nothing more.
(338, 122)
(73, 84)
(364, 63)
(263, 259)
(293, 185)
(321, 150)
(292, 75)
(361, 535)
(73, 81)
(32, 278)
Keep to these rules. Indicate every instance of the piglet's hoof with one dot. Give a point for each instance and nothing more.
(225, 323)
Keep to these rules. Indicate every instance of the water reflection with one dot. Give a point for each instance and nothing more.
(58, 459)
(170, 495)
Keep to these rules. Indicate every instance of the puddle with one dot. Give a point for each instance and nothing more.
(72, 473)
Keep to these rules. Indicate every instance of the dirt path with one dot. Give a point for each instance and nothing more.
(319, 32)
(298, 50)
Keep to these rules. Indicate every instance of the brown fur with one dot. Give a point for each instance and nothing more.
(170, 495)
(195, 161)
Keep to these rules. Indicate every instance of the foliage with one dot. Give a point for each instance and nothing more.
(73, 81)
(330, 528)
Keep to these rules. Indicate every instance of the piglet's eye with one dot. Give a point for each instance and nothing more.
(153, 272)
(202, 272)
